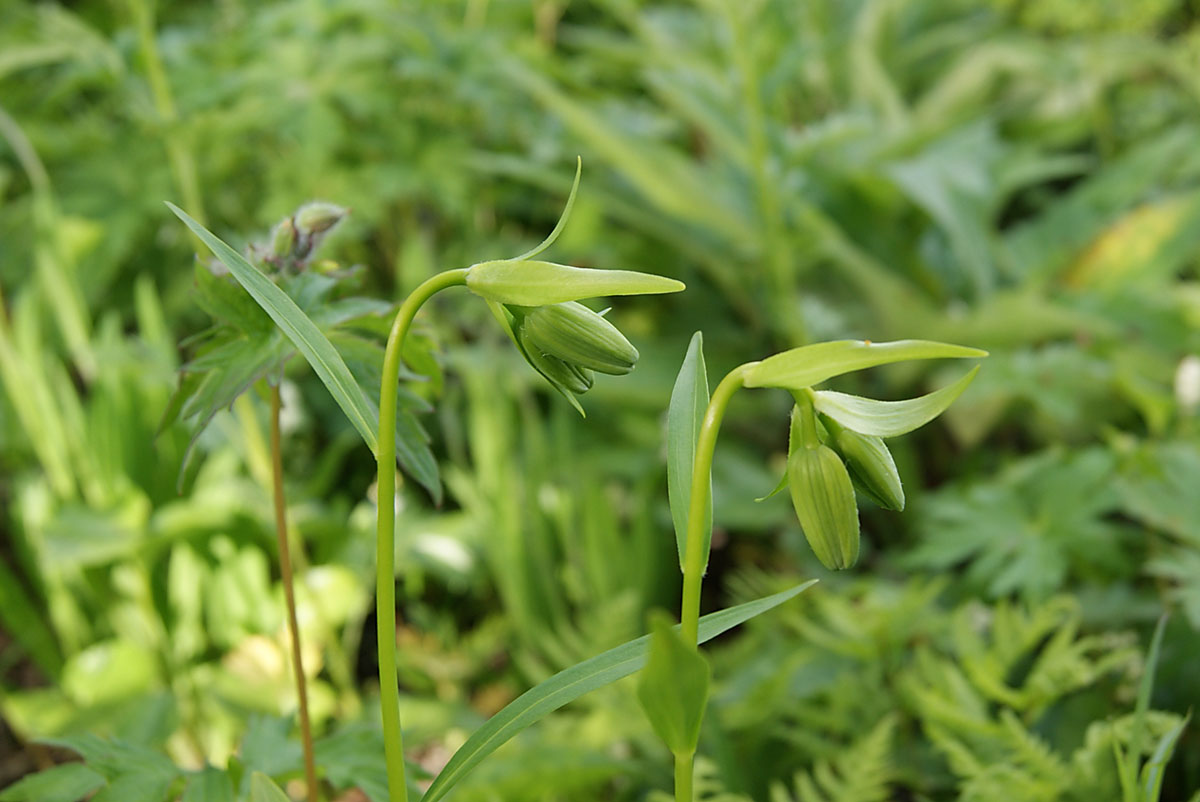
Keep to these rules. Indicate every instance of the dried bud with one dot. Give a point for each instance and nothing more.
(823, 496)
(578, 336)
(283, 239)
(318, 217)
(870, 464)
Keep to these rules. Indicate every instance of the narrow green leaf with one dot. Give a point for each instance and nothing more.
(562, 218)
(69, 782)
(689, 400)
(673, 688)
(1152, 774)
(508, 281)
(21, 614)
(264, 789)
(888, 418)
(1145, 689)
(811, 364)
(570, 684)
(298, 328)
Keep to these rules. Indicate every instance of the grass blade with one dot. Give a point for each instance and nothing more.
(298, 328)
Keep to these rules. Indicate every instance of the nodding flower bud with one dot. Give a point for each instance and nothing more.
(578, 336)
(870, 464)
(283, 239)
(318, 217)
(574, 378)
(823, 496)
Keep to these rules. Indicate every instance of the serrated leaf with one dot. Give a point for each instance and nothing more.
(673, 688)
(264, 789)
(888, 418)
(532, 283)
(570, 684)
(689, 400)
(811, 364)
(69, 782)
(226, 301)
(298, 328)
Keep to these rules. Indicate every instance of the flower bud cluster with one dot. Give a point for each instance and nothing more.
(295, 239)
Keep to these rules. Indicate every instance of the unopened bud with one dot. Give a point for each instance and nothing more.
(870, 464)
(318, 217)
(571, 377)
(823, 496)
(283, 239)
(579, 336)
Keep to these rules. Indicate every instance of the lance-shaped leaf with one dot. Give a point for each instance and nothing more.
(533, 283)
(263, 789)
(673, 690)
(298, 328)
(811, 364)
(689, 400)
(888, 418)
(570, 684)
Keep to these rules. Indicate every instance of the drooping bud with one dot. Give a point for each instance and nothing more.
(823, 496)
(571, 377)
(318, 217)
(870, 464)
(577, 335)
(283, 239)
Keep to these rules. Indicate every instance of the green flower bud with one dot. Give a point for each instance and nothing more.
(570, 377)
(318, 217)
(823, 496)
(283, 239)
(577, 335)
(870, 464)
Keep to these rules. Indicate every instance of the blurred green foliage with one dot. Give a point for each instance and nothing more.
(1017, 176)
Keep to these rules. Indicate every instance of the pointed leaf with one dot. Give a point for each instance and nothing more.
(303, 333)
(562, 218)
(508, 281)
(1152, 773)
(689, 400)
(570, 684)
(888, 418)
(811, 364)
(673, 688)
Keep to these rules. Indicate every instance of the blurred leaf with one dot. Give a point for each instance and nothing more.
(67, 783)
(22, 617)
(263, 789)
(210, 785)
(689, 400)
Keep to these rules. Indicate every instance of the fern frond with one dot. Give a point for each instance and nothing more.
(862, 772)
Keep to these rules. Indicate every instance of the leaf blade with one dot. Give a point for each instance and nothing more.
(298, 328)
(811, 364)
(889, 418)
(685, 413)
(577, 680)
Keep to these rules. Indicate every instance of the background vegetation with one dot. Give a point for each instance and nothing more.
(1021, 177)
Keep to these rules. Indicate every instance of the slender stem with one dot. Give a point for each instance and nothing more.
(289, 595)
(385, 558)
(683, 776)
(694, 558)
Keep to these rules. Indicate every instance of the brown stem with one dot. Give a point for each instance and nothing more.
(289, 595)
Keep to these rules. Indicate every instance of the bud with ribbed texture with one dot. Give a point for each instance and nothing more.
(579, 336)
(822, 494)
(870, 464)
(571, 377)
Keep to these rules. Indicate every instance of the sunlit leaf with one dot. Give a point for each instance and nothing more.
(888, 418)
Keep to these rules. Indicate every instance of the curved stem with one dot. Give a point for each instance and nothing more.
(694, 558)
(289, 595)
(385, 557)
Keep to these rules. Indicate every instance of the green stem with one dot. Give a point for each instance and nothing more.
(694, 556)
(289, 594)
(385, 560)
